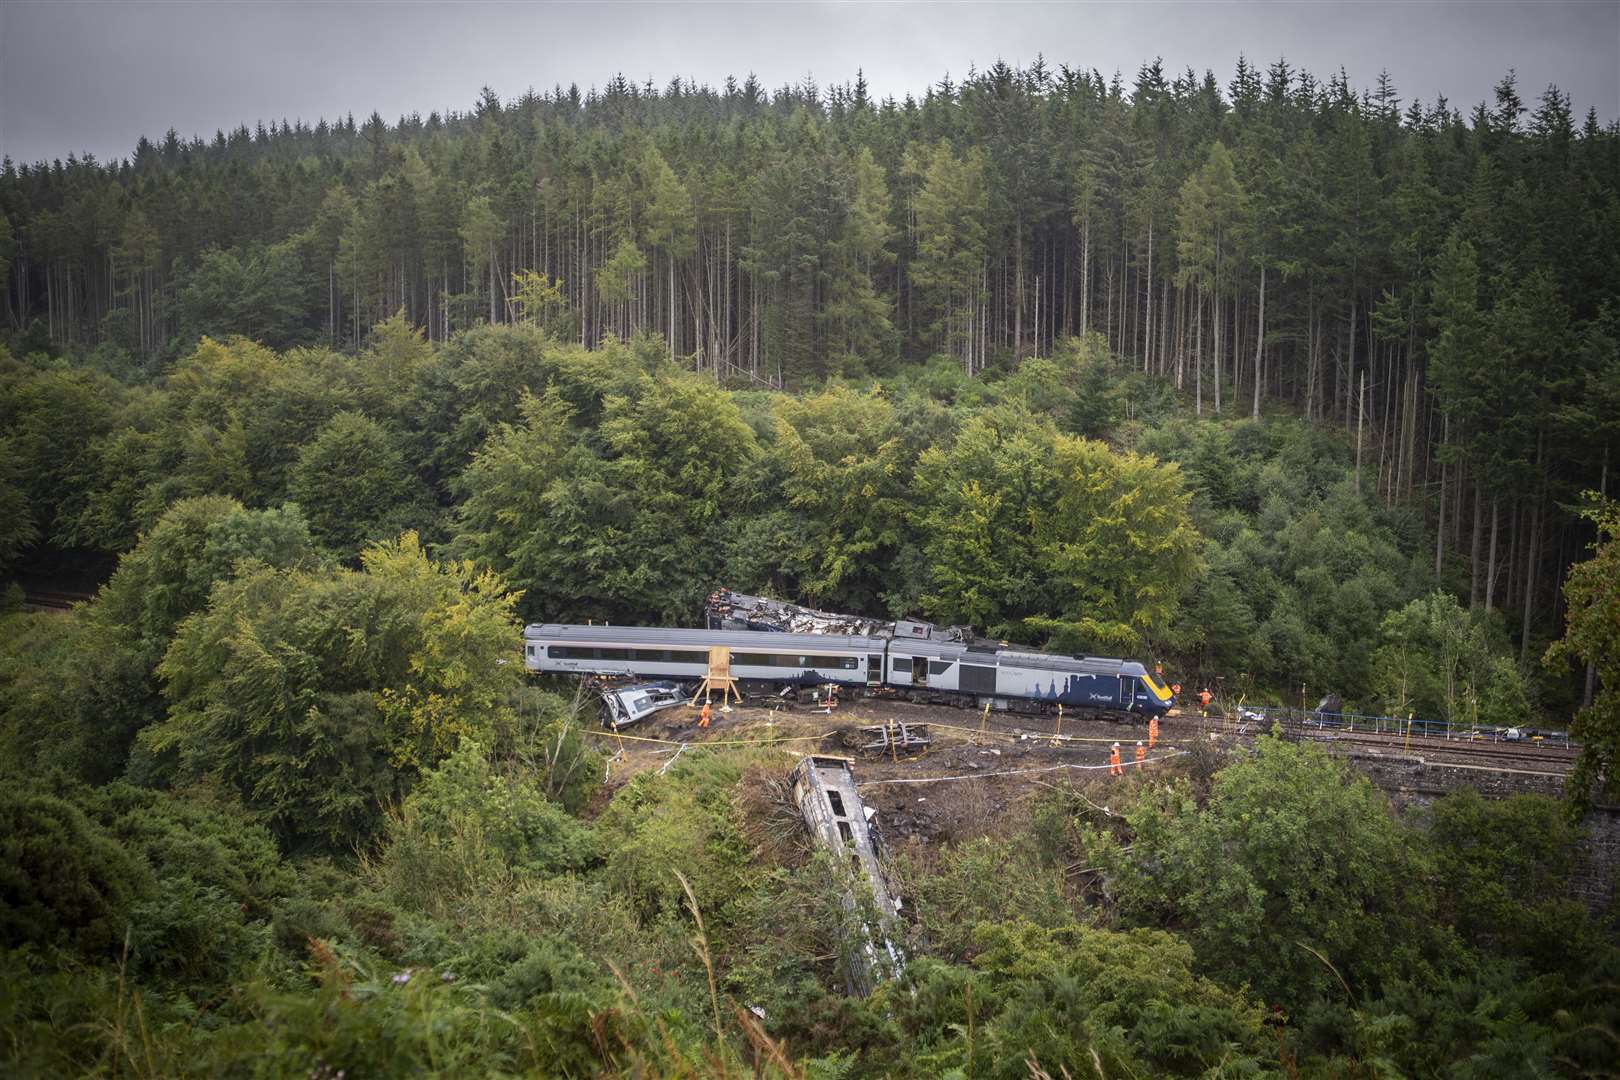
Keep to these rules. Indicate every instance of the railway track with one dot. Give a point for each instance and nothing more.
(50, 600)
(1532, 757)
(1458, 752)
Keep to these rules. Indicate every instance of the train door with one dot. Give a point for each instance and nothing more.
(874, 669)
(903, 670)
(1126, 697)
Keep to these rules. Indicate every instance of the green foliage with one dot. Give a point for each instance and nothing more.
(259, 293)
(1301, 570)
(1029, 526)
(1439, 660)
(467, 827)
(52, 420)
(1504, 872)
(72, 696)
(354, 486)
(843, 473)
(983, 881)
(1077, 1001)
(317, 694)
(1592, 637)
(62, 878)
(17, 530)
(950, 209)
(175, 890)
(194, 546)
(1296, 864)
(542, 301)
(641, 513)
(685, 820)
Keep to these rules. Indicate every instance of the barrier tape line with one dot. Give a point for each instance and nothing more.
(1015, 772)
(1015, 736)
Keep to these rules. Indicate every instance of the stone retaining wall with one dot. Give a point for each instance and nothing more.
(1412, 782)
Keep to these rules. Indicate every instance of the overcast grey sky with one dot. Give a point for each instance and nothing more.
(85, 75)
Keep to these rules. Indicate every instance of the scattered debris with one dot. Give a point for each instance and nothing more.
(895, 737)
(728, 610)
(824, 789)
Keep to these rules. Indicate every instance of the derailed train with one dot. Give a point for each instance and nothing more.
(911, 662)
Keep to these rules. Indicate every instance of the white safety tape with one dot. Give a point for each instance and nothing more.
(1016, 772)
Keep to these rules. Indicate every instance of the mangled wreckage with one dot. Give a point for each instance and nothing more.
(627, 704)
(824, 790)
(729, 610)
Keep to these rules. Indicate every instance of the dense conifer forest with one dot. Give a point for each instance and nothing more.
(1438, 285)
(1289, 385)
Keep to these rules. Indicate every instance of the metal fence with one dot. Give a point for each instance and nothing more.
(1307, 719)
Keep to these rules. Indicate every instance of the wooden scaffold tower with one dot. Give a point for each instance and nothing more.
(719, 678)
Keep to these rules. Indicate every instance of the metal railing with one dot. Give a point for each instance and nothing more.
(1371, 724)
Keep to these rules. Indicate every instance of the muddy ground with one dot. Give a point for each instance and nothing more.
(973, 779)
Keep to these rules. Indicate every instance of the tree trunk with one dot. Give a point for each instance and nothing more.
(1018, 288)
(1361, 420)
(1259, 341)
(1440, 524)
(1147, 321)
(1473, 546)
(1085, 278)
(1198, 355)
(1529, 582)
(492, 290)
(1490, 563)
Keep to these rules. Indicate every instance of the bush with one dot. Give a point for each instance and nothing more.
(63, 879)
(1296, 864)
(1084, 1002)
(467, 828)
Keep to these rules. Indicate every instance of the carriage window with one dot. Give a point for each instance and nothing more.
(557, 652)
(849, 663)
(529, 650)
(677, 656)
(939, 667)
(655, 656)
(977, 679)
(613, 654)
(900, 664)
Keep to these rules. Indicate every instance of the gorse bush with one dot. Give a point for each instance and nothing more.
(465, 829)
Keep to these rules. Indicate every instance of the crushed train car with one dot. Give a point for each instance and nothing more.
(624, 705)
(727, 609)
(824, 791)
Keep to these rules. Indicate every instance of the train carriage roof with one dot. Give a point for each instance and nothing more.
(745, 640)
(810, 644)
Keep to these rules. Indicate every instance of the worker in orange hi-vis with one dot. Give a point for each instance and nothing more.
(1141, 752)
(1204, 698)
(1153, 732)
(703, 717)
(1114, 767)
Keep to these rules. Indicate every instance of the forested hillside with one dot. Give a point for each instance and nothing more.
(1439, 286)
(1284, 385)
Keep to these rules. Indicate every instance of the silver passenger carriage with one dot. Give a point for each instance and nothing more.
(762, 658)
(907, 660)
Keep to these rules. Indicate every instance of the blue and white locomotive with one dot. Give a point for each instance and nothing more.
(909, 660)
